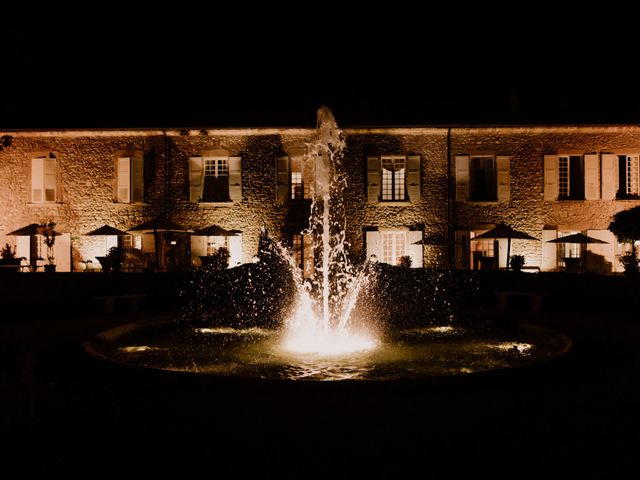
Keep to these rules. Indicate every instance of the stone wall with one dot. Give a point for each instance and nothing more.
(87, 173)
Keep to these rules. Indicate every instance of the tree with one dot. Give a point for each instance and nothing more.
(626, 227)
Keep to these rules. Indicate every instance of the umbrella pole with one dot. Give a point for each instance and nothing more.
(508, 251)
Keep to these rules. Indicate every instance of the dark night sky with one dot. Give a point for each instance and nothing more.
(180, 70)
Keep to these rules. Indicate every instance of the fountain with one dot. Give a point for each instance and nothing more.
(326, 330)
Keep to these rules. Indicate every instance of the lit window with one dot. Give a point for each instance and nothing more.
(303, 253)
(393, 247)
(482, 252)
(216, 180)
(628, 176)
(302, 176)
(44, 171)
(393, 179)
(214, 243)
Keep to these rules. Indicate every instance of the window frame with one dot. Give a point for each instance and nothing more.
(399, 191)
(490, 190)
(218, 176)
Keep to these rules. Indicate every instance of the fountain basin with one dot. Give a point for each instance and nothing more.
(256, 353)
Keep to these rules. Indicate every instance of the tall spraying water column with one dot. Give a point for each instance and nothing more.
(321, 320)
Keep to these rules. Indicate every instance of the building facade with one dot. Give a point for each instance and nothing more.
(421, 193)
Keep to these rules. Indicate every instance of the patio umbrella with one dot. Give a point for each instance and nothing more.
(107, 230)
(433, 239)
(155, 226)
(33, 229)
(502, 230)
(216, 231)
(577, 238)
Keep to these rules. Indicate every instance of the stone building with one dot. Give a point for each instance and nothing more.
(421, 192)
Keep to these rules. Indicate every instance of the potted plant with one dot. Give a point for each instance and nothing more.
(8, 259)
(517, 262)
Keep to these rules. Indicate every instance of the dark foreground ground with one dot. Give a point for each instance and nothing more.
(65, 414)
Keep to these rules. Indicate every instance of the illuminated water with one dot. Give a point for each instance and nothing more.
(260, 354)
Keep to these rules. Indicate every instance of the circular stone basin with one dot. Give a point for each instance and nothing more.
(257, 353)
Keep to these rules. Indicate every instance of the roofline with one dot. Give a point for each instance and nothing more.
(365, 129)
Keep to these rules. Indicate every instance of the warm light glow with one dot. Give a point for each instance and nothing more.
(328, 343)
(137, 348)
(512, 347)
(233, 331)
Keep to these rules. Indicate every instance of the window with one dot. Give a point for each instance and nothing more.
(627, 176)
(571, 177)
(130, 242)
(302, 177)
(215, 177)
(393, 179)
(216, 180)
(302, 247)
(215, 242)
(130, 178)
(44, 170)
(482, 252)
(393, 247)
(482, 179)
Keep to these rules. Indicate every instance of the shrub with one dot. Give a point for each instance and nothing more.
(517, 262)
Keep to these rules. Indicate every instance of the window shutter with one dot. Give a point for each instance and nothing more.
(462, 177)
(373, 181)
(550, 177)
(413, 177)
(462, 249)
(504, 178)
(373, 245)
(198, 248)
(609, 176)
(37, 179)
(549, 251)
(235, 179)
(235, 250)
(50, 179)
(124, 180)
(196, 183)
(591, 177)
(137, 177)
(282, 179)
(415, 251)
(62, 252)
(23, 247)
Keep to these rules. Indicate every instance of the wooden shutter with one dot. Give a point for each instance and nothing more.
(124, 179)
(137, 177)
(503, 177)
(50, 179)
(235, 179)
(62, 252)
(373, 245)
(282, 179)
(37, 179)
(549, 251)
(609, 176)
(235, 250)
(374, 180)
(23, 247)
(198, 248)
(591, 177)
(196, 179)
(413, 177)
(462, 177)
(413, 250)
(462, 249)
(550, 177)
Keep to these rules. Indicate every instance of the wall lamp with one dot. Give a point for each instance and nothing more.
(5, 141)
